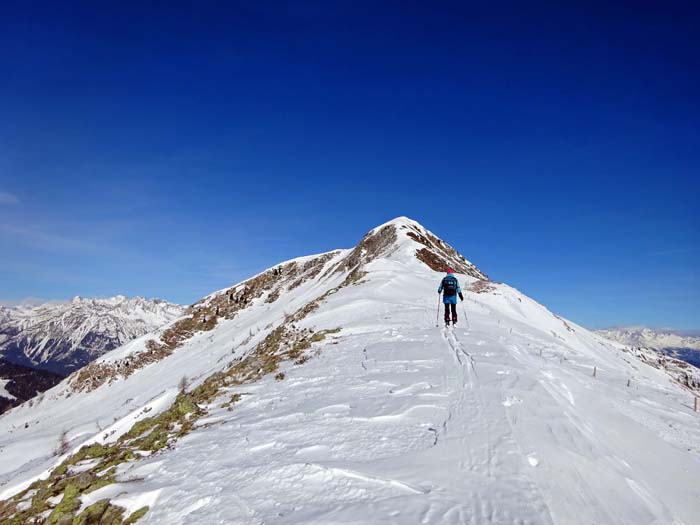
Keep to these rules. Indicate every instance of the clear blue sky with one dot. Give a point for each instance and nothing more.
(171, 151)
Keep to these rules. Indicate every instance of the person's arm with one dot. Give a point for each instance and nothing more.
(440, 288)
(459, 292)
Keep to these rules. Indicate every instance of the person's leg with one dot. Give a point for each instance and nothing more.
(454, 312)
(447, 313)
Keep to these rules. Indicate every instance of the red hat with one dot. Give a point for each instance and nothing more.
(450, 270)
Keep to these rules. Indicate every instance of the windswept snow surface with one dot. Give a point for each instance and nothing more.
(498, 420)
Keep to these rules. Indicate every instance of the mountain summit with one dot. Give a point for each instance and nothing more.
(321, 391)
(402, 239)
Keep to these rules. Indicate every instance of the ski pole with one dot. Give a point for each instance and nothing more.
(437, 315)
(464, 309)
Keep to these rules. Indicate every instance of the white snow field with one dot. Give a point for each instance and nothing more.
(392, 420)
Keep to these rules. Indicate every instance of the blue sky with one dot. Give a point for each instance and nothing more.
(170, 151)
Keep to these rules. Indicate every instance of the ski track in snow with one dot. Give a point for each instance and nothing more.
(399, 422)
(375, 438)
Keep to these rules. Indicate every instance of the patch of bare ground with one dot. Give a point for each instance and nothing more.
(201, 317)
(566, 325)
(482, 286)
(439, 256)
(36, 504)
(372, 245)
(687, 376)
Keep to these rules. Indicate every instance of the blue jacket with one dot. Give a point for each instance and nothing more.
(447, 299)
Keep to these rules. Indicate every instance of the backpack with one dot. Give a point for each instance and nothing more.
(449, 286)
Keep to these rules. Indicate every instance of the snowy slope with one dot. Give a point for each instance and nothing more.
(389, 419)
(63, 337)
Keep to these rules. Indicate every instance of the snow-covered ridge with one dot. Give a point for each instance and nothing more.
(380, 417)
(63, 337)
(401, 239)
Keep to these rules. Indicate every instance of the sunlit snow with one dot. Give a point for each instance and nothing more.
(498, 420)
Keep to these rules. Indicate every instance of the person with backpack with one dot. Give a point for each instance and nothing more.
(450, 289)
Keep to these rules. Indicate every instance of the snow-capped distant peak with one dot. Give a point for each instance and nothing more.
(662, 349)
(646, 337)
(63, 337)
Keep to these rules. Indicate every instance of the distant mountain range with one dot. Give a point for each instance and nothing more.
(673, 344)
(64, 337)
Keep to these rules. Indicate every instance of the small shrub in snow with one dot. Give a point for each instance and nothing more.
(62, 445)
(182, 385)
